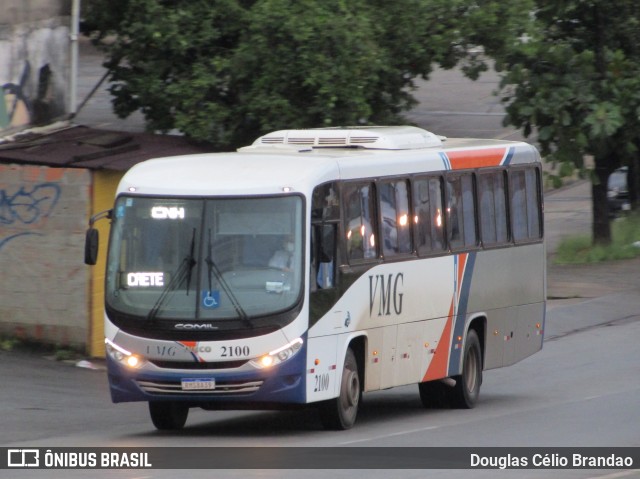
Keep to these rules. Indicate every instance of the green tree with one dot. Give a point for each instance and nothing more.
(575, 81)
(305, 63)
(172, 61)
(226, 71)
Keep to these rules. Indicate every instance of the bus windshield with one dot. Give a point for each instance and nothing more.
(205, 259)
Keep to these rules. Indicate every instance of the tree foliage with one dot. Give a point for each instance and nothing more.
(226, 71)
(576, 81)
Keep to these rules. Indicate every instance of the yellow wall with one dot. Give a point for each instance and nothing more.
(103, 194)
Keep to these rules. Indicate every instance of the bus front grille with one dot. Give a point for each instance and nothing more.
(195, 365)
(221, 388)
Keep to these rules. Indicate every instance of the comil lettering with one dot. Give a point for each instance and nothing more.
(167, 212)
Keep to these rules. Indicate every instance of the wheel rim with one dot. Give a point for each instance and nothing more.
(353, 389)
(471, 370)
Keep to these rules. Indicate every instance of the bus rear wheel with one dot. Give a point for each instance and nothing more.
(464, 394)
(340, 413)
(168, 415)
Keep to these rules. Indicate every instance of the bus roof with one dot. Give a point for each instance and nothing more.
(271, 168)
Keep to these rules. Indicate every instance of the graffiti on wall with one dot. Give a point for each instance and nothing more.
(27, 208)
(17, 109)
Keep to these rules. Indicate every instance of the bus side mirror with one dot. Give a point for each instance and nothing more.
(91, 244)
(92, 239)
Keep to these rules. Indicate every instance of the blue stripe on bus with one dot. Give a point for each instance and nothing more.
(445, 160)
(509, 157)
(461, 314)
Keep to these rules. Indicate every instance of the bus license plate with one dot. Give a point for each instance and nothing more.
(199, 384)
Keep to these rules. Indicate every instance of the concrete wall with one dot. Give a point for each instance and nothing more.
(44, 285)
(34, 62)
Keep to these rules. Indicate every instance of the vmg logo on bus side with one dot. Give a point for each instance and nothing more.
(385, 293)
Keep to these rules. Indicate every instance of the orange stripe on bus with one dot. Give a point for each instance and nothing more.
(438, 367)
(476, 158)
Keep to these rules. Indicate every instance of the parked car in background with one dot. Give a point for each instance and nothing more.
(618, 191)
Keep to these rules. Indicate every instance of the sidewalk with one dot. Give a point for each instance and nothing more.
(572, 283)
(568, 212)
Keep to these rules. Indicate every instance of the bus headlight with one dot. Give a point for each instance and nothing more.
(122, 356)
(279, 355)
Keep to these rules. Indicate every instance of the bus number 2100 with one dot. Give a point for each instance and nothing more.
(322, 382)
(235, 351)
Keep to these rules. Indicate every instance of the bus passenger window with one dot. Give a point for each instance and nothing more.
(325, 203)
(325, 206)
(394, 209)
(461, 219)
(525, 205)
(428, 215)
(493, 208)
(469, 207)
(360, 232)
(533, 202)
(518, 206)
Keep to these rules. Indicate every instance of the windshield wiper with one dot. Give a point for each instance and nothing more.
(184, 272)
(213, 268)
(190, 260)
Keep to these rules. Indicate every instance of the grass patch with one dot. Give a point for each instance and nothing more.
(57, 352)
(9, 344)
(625, 231)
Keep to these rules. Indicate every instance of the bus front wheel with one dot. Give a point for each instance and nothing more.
(340, 413)
(467, 389)
(168, 415)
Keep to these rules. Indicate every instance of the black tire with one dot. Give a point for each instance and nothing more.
(341, 413)
(168, 415)
(464, 394)
(435, 394)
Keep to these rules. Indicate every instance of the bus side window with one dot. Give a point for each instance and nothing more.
(360, 222)
(493, 208)
(428, 215)
(525, 204)
(461, 212)
(393, 202)
(532, 180)
(325, 202)
(325, 213)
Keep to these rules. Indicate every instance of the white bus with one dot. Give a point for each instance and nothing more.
(317, 265)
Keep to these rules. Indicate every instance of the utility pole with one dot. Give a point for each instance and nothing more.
(74, 33)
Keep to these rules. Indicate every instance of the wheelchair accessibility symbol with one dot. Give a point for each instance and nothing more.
(210, 299)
